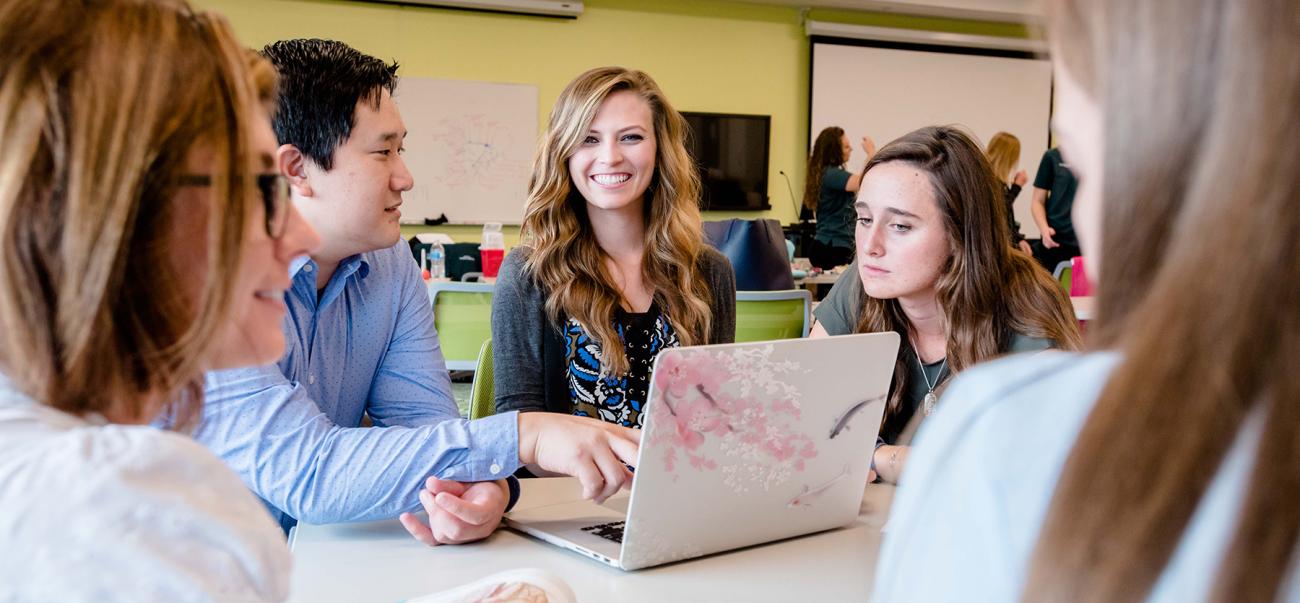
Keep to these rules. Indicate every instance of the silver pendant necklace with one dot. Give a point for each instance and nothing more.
(930, 399)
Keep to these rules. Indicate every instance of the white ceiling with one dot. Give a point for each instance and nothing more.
(987, 10)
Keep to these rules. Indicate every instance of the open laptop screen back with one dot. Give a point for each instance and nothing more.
(749, 443)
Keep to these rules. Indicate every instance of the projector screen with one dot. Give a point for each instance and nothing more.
(888, 90)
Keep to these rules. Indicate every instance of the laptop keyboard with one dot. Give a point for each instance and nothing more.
(612, 531)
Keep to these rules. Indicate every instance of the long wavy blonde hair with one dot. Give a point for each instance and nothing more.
(1003, 153)
(100, 105)
(567, 262)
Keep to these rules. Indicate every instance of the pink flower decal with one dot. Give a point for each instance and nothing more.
(677, 374)
(737, 402)
(787, 407)
(700, 463)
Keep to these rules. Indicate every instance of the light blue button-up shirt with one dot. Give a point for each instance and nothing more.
(366, 346)
(982, 473)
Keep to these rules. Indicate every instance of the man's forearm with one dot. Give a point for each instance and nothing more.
(1038, 207)
(318, 472)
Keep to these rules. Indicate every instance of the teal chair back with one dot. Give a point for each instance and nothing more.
(462, 313)
(768, 315)
(1063, 274)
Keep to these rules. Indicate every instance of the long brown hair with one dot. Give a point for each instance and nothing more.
(828, 150)
(100, 105)
(1003, 153)
(567, 262)
(987, 292)
(1198, 290)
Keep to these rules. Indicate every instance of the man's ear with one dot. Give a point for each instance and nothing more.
(293, 165)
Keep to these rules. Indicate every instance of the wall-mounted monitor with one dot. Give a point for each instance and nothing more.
(731, 152)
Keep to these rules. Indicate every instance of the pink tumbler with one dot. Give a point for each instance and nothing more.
(1079, 284)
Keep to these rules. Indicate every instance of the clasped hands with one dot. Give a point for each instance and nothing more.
(459, 512)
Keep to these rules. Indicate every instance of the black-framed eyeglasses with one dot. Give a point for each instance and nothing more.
(275, 198)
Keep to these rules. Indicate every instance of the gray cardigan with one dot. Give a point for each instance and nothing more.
(528, 350)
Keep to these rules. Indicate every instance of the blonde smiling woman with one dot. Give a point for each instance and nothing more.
(614, 267)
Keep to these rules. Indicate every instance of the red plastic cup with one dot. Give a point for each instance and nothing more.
(1080, 286)
(491, 261)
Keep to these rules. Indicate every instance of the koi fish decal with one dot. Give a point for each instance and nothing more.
(809, 494)
(842, 422)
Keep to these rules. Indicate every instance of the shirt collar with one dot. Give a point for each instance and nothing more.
(297, 263)
(355, 263)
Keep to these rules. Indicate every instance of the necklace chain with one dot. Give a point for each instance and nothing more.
(930, 398)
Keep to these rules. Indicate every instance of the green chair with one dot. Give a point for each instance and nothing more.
(481, 402)
(768, 315)
(462, 313)
(1063, 275)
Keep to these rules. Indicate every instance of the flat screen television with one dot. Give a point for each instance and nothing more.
(731, 152)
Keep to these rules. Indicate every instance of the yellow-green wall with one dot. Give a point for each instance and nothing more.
(708, 55)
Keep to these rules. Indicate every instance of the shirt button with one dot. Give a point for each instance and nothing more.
(306, 267)
(311, 379)
(494, 469)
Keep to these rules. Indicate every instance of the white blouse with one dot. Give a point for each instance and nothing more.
(100, 512)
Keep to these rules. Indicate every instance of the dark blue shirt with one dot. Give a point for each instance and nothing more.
(1055, 177)
(835, 213)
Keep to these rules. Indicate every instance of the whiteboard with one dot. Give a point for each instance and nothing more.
(887, 92)
(469, 146)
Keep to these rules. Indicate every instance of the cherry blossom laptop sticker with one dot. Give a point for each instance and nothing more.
(743, 444)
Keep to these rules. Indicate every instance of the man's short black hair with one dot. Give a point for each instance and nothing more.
(321, 82)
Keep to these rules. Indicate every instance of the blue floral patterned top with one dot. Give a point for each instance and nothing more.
(616, 398)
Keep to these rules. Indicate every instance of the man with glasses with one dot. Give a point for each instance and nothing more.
(361, 342)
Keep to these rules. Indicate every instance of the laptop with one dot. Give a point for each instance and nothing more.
(743, 444)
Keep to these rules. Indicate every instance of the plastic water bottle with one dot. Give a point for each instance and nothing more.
(437, 261)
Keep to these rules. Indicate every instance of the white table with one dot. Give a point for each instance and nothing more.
(825, 278)
(378, 561)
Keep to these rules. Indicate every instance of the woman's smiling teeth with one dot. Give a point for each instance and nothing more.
(610, 179)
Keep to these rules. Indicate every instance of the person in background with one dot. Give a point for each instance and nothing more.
(935, 267)
(829, 191)
(1051, 205)
(614, 266)
(1004, 155)
(361, 342)
(1163, 465)
(145, 234)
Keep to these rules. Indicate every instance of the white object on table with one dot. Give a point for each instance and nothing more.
(520, 584)
(379, 561)
(430, 238)
(1085, 308)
